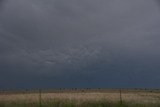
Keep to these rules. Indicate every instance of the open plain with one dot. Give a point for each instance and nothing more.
(81, 98)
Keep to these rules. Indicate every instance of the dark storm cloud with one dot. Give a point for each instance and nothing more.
(79, 40)
(1, 2)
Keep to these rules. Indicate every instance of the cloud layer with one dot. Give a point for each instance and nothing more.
(79, 43)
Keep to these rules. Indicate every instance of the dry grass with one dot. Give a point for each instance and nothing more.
(141, 97)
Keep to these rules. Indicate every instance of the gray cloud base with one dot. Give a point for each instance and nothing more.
(79, 43)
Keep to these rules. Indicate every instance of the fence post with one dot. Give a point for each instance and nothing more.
(40, 98)
(120, 92)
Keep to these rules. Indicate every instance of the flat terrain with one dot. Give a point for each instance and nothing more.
(79, 98)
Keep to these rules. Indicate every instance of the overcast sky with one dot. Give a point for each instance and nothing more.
(79, 43)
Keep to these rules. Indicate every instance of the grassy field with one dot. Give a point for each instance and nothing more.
(81, 98)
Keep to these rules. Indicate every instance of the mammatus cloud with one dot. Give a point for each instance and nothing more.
(80, 40)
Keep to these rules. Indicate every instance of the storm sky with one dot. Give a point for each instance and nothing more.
(79, 43)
